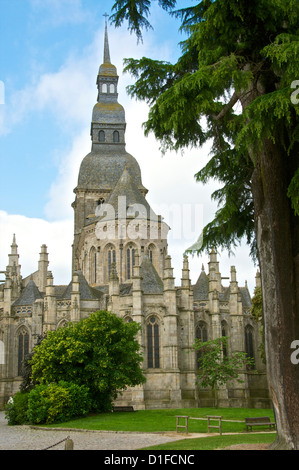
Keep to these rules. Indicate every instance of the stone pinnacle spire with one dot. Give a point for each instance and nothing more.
(106, 44)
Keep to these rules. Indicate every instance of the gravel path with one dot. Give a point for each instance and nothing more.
(26, 438)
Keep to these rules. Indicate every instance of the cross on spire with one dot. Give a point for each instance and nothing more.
(106, 16)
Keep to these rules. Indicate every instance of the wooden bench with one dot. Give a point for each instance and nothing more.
(260, 421)
(123, 408)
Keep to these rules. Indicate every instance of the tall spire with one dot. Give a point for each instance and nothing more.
(13, 258)
(106, 44)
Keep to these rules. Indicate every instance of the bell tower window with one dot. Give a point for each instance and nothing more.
(115, 136)
(101, 136)
(104, 88)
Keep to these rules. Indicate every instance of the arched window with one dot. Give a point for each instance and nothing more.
(23, 348)
(104, 88)
(111, 258)
(112, 88)
(153, 344)
(130, 263)
(249, 347)
(151, 253)
(93, 265)
(115, 137)
(201, 334)
(224, 332)
(101, 136)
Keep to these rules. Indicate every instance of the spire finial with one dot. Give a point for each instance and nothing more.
(106, 43)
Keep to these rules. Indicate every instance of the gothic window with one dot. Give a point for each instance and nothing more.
(130, 261)
(115, 137)
(153, 346)
(111, 258)
(249, 348)
(93, 265)
(23, 348)
(101, 136)
(201, 333)
(104, 88)
(224, 333)
(151, 253)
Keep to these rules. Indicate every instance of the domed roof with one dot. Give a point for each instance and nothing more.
(103, 170)
(109, 112)
(108, 70)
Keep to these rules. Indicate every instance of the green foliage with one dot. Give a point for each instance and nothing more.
(57, 402)
(136, 12)
(214, 367)
(232, 87)
(257, 304)
(100, 352)
(16, 409)
(27, 383)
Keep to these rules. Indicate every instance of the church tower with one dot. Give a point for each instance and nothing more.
(113, 220)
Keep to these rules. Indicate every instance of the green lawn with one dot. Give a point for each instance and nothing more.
(217, 442)
(164, 420)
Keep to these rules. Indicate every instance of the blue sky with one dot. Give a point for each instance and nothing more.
(50, 51)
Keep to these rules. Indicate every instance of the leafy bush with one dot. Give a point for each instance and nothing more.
(16, 409)
(100, 352)
(57, 402)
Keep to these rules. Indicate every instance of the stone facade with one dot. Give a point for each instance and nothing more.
(121, 264)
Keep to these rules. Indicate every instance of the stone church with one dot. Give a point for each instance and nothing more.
(121, 264)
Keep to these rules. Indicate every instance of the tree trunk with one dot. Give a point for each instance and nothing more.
(277, 233)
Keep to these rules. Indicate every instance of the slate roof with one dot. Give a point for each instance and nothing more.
(86, 292)
(102, 169)
(127, 188)
(29, 295)
(201, 288)
(151, 282)
(201, 291)
(246, 299)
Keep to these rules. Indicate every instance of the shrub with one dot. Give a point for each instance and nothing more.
(57, 402)
(100, 352)
(16, 409)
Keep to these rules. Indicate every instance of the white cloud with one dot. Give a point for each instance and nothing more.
(31, 234)
(69, 95)
(61, 195)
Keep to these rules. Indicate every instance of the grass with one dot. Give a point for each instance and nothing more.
(164, 420)
(215, 442)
